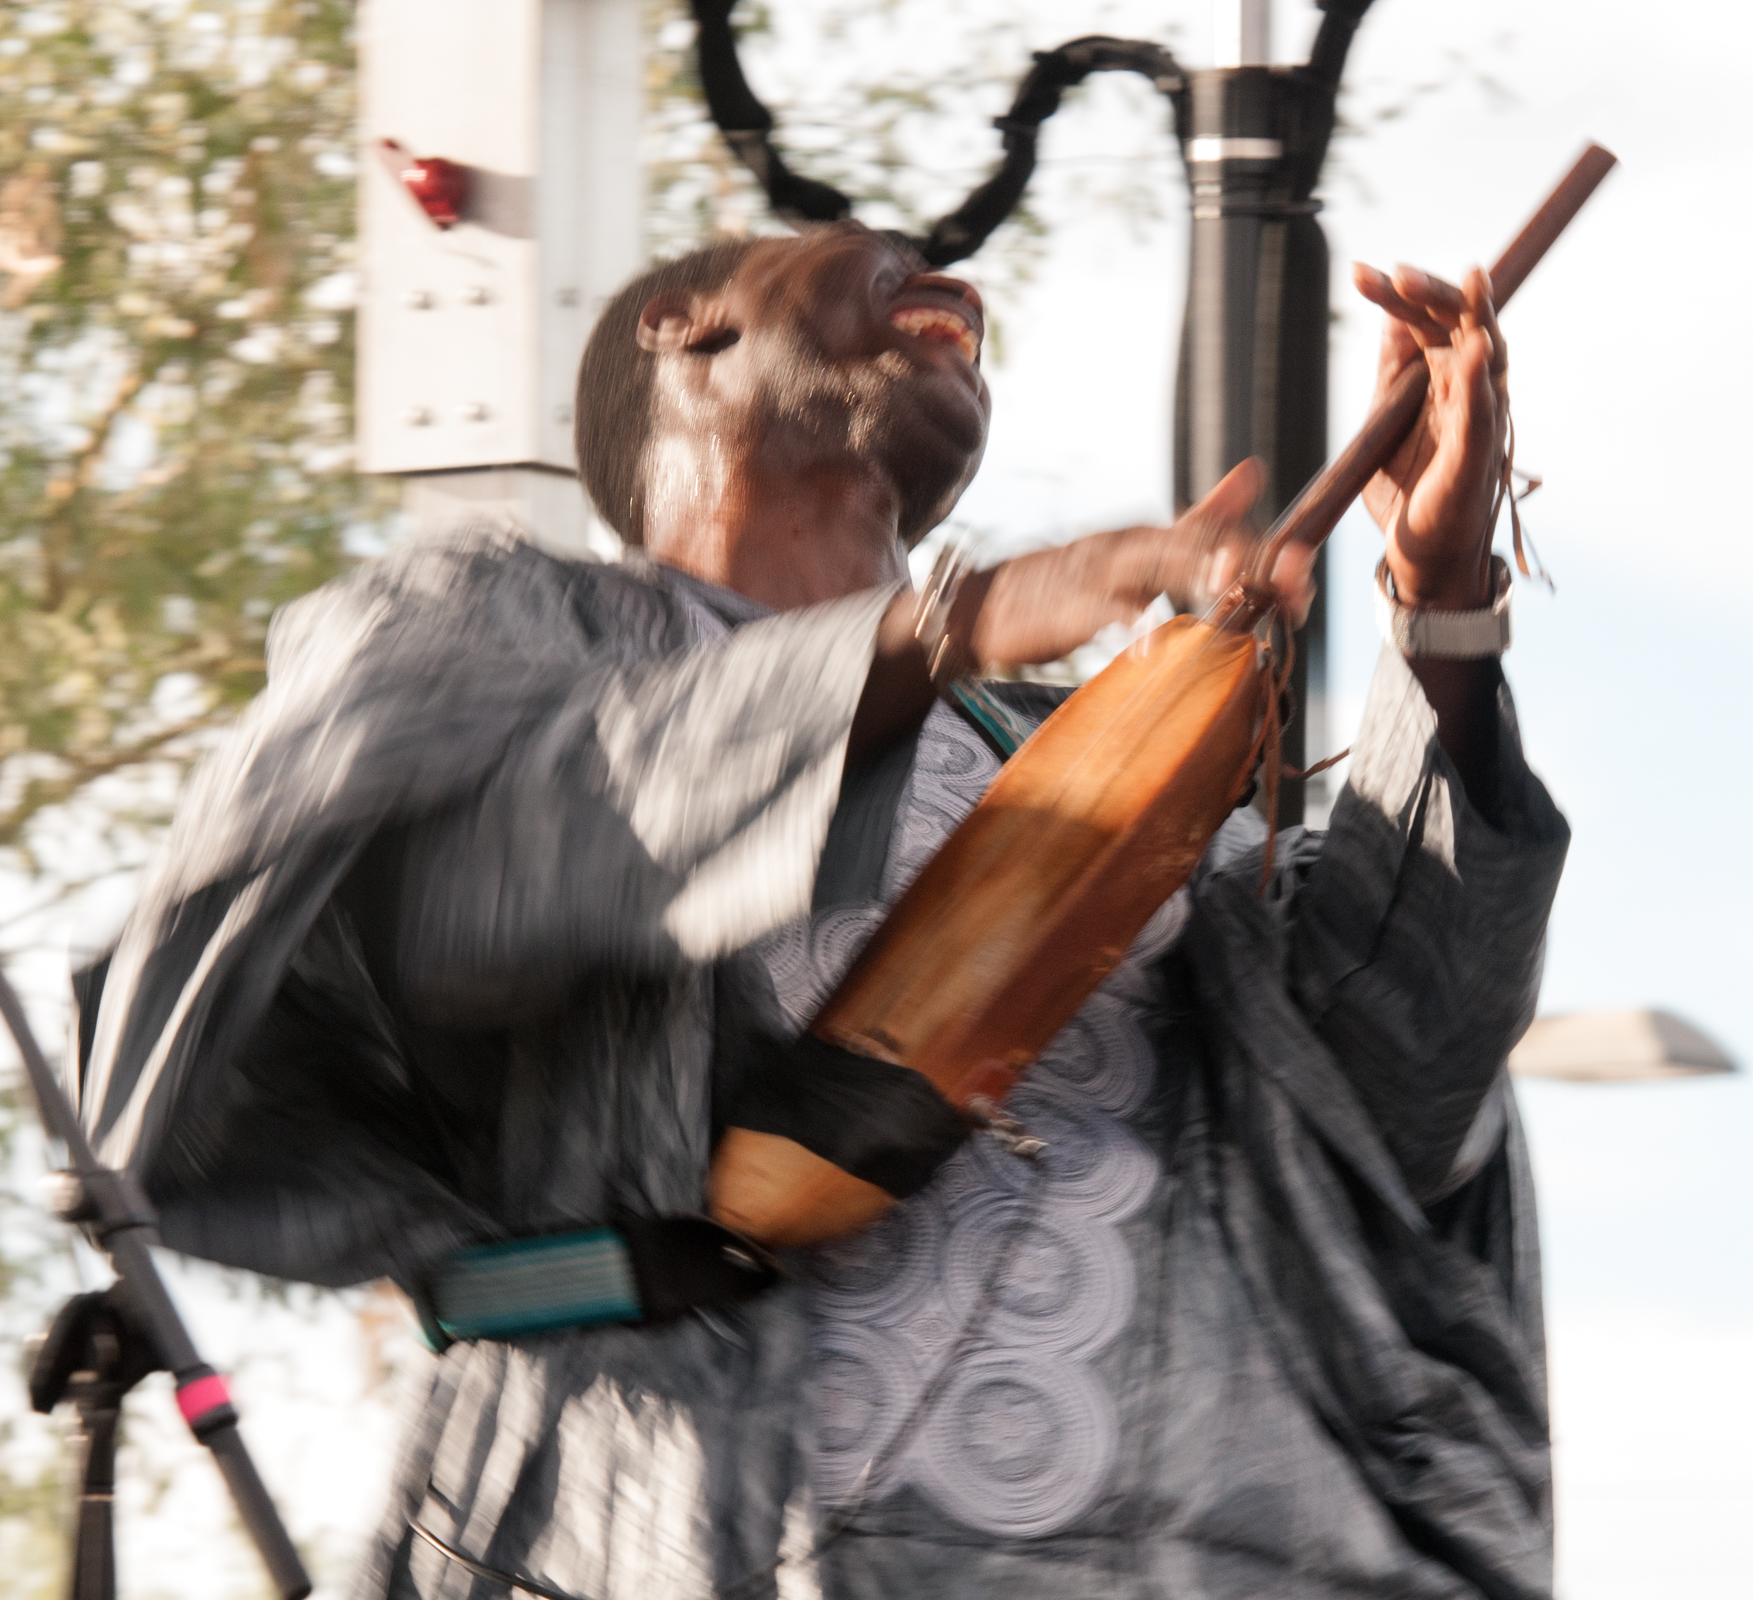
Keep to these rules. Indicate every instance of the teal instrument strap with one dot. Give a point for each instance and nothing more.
(991, 716)
(525, 1286)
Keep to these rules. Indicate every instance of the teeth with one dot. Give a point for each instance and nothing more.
(927, 322)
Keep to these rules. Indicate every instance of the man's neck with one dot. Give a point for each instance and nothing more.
(788, 538)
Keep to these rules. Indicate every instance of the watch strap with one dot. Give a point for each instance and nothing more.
(1421, 632)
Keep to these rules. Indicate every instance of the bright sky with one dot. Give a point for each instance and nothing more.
(1629, 377)
(1628, 373)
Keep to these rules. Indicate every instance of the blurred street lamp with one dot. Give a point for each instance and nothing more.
(1617, 1047)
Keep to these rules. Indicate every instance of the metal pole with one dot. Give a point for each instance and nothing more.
(474, 314)
(122, 1224)
(1252, 376)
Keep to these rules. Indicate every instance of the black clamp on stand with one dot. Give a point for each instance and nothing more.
(100, 1345)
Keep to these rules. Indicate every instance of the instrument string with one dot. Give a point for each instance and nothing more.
(1280, 643)
(516, 1582)
(1319, 766)
(1506, 494)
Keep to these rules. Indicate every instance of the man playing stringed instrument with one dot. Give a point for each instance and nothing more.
(524, 874)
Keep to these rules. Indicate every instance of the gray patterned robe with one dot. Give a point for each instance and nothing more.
(435, 955)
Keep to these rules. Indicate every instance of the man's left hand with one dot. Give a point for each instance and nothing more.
(1434, 499)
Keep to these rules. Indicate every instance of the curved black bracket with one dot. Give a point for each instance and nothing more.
(747, 126)
(965, 229)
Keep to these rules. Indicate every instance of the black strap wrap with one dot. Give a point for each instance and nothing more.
(684, 1264)
(882, 1123)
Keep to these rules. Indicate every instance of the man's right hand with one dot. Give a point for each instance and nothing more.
(1042, 606)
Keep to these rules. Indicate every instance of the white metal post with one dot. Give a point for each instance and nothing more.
(470, 336)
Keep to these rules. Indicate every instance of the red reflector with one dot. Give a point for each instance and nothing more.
(440, 188)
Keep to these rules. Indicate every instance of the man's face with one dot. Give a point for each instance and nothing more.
(838, 344)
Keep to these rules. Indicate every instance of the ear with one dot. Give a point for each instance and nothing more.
(664, 324)
(672, 325)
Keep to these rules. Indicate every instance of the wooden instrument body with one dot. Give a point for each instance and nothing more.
(1031, 902)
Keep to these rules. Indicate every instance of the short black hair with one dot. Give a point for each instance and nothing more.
(612, 418)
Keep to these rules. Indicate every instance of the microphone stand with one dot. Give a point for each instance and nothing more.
(101, 1344)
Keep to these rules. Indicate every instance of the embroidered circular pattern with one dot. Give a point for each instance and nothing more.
(952, 770)
(1095, 1167)
(866, 1385)
(1017, 1444)
(1101, 1057)
(808, 957)
(1064, 1289)
(881, 1275)
(1021, 1437)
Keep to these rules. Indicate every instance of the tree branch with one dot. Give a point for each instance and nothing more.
(62, 494)
(40, 793)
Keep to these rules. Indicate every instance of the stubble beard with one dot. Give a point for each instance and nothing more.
(871, 412)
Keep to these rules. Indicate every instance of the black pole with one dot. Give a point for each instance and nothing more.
(1252, 374)
(94, 1552)
(137, 1313)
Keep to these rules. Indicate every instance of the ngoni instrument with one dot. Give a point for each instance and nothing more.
(1088, 829)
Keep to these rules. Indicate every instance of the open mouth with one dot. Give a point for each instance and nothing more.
(942, 326)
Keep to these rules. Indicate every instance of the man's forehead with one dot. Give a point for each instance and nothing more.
(774, 255)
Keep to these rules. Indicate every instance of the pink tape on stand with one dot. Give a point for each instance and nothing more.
(196, 1399)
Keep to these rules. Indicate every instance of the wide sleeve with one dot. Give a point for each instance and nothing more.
(1417, 939)
(664, 811)
(562, 776)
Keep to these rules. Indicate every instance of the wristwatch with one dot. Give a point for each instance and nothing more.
(1446, 635)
